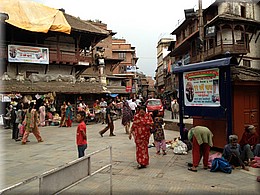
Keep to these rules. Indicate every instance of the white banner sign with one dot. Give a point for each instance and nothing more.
(131, 69)
(27, 54)
(201, 88)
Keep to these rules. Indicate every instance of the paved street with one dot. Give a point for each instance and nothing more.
(165, 174)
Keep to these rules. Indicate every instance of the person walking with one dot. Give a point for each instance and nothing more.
(97, 111)
(63, 114)
(18, 121)
(109, 121)
(132, 105)
(81, 135)
(202, 141)
(140, 129)
(127, 116)
(69, 115)
(42, 114)
(31, 124)
(103, 105)
(175, 109)
(158, 133)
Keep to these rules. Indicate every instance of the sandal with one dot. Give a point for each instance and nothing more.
(190, 164)
(192, 169)
(141, 166)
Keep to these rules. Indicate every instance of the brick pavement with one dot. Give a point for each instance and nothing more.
(165, 174)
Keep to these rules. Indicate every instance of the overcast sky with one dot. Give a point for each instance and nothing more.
(141, 22)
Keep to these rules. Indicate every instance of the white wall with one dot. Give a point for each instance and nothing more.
(233, 7)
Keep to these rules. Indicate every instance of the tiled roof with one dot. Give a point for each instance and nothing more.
(45, 87)
(59, 87)
(79, 25)
(242, 73)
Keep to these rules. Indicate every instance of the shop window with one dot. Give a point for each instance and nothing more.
(247, 63)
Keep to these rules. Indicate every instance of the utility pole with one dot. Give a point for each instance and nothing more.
(201, 31)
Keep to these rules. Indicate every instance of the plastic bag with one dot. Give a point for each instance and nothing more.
(220, 164)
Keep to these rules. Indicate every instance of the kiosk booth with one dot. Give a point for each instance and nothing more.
(216, 95)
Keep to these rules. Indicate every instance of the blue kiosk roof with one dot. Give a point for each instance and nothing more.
(229, 61)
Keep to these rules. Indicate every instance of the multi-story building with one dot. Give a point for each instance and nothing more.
(114, 84)
(38, 62)
(127, 67)
(162, 52)
(227, 28)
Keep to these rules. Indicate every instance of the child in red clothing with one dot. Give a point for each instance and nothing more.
(81, 136)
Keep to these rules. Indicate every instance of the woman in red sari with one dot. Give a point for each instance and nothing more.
(141, 131)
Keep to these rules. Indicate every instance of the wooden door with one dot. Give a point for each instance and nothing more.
(251, 108)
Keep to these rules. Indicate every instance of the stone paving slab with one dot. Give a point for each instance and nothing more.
(165, 174)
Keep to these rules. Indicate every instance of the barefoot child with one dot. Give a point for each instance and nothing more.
(81, 136)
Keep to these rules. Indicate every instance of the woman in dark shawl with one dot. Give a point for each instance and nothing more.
(127, 116)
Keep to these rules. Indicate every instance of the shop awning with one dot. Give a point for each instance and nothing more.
(32, 16)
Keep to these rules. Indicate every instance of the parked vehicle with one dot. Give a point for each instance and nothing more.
(155, 104)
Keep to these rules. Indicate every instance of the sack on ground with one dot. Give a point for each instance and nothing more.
(180, 148)
(220, 164)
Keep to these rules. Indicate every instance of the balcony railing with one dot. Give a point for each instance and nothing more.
(238, 48)
(222, 49)
(68, 57)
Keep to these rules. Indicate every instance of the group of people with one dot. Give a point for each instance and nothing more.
(242, 153)
(238, 154)
(109, 110)
(66, 114)
(128, 110)
(26, 119)
(144, 124)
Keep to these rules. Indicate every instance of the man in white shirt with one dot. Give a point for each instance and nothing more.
(175, 109)
(133, 106)
(103, 105)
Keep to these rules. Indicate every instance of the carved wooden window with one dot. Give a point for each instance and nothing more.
(243, 11)
(247, 63)
(122, 56)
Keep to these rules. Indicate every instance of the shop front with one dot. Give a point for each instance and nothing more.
(220, 95)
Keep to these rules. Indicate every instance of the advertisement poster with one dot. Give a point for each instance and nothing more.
(131, 69)
(27, 54)
(201, 88)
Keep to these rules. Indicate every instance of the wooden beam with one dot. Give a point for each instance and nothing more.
(257, 37)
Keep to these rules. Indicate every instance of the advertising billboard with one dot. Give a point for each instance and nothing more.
(28, 54)
(201, 88)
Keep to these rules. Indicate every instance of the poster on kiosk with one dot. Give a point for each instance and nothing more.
(201, 88)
